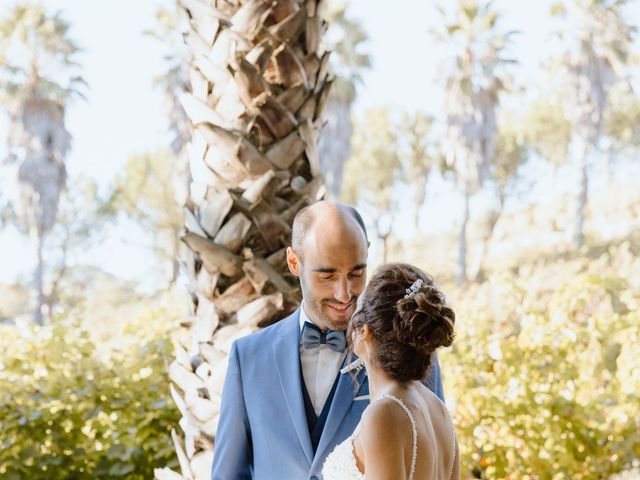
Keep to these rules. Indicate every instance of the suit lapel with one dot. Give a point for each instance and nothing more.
(287, 355)
(345, 393)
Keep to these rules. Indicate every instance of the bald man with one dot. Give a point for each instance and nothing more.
(290, 395)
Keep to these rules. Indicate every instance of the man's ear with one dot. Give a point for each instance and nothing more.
(293, 262)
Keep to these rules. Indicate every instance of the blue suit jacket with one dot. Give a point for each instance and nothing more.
(262, 432)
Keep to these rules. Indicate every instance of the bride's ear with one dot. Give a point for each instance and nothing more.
(366, 340)
(366, 333)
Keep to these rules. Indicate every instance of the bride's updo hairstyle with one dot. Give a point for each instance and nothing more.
(408, 324)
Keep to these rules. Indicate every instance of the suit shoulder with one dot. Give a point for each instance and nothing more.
(262, 338)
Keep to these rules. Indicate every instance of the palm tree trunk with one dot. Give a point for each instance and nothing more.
(259, 83)
(38, 288)
(175, 263)
(582, 198)
(385, 248)
(384, 234)
(461, 273)
(335, 143)
(611, 156)
(175, 270)
(488, 237)
(420, 195)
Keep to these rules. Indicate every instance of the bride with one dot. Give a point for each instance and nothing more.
(406, 431)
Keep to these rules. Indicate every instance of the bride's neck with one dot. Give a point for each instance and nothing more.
(380, 383)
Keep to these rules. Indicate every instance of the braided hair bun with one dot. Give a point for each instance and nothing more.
(408, 317)
(424, 320)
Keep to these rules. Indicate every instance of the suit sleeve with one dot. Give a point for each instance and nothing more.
(434, 379)
(232, 449)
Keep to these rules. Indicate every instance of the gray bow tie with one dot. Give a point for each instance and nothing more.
(313, 337)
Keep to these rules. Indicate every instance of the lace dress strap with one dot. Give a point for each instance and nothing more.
(414, 454)
(453, 462)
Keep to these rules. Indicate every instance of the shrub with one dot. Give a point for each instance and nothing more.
(67, 412)
(544, 374)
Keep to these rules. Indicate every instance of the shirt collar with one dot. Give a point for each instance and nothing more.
(303, 317)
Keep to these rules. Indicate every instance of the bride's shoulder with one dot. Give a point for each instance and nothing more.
(433, 402)
(384, 415)
(381, 442)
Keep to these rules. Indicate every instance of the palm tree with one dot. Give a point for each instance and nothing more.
(509, 154)
(34, 49)
(622, 126)
(472, 88)
(547, 131)
(146, 192)
(174, 81)
(419, 157)
(598, 40)
(344, 39)
(258, 85)
(374, 170)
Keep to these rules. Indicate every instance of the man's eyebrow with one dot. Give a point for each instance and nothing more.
(360, 266)
(325, 270)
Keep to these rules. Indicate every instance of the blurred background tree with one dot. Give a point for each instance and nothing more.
(510, 153)
(474, 82)
(35, 51)
(144, 192)
(621, 126)
(373, 171)
(597, 37)
(345, 38)
(170, 24)
(548, 132)
(420, 156)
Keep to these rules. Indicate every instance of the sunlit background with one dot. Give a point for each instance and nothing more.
(495, 145)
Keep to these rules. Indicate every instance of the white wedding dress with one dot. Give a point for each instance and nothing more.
(341, 463)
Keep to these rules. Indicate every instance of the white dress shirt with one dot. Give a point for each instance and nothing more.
(320, 367)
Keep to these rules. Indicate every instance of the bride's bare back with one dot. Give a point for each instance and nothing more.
(383, 447)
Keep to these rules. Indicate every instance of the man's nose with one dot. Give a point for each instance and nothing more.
(341, 292)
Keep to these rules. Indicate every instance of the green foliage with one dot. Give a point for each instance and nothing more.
(622, 121)
(547, 130)
(167, 29)
(344, 38)
(510, 152)
(13, 299)
(420, 149)
(7, 214)
(35, 47)
(146, 193)
(375, 163)
(70, 411)
(545, 373)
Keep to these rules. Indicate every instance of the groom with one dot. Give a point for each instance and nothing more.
(285, 403)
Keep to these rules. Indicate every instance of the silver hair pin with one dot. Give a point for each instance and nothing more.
(415, 288)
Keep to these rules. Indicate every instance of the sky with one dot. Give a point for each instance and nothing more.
(124, 113)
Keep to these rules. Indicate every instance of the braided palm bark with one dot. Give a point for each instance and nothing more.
(258, 84)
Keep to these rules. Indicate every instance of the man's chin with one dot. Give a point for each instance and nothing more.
(339, 322)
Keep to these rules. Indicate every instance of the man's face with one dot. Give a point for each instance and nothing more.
(332, 275)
